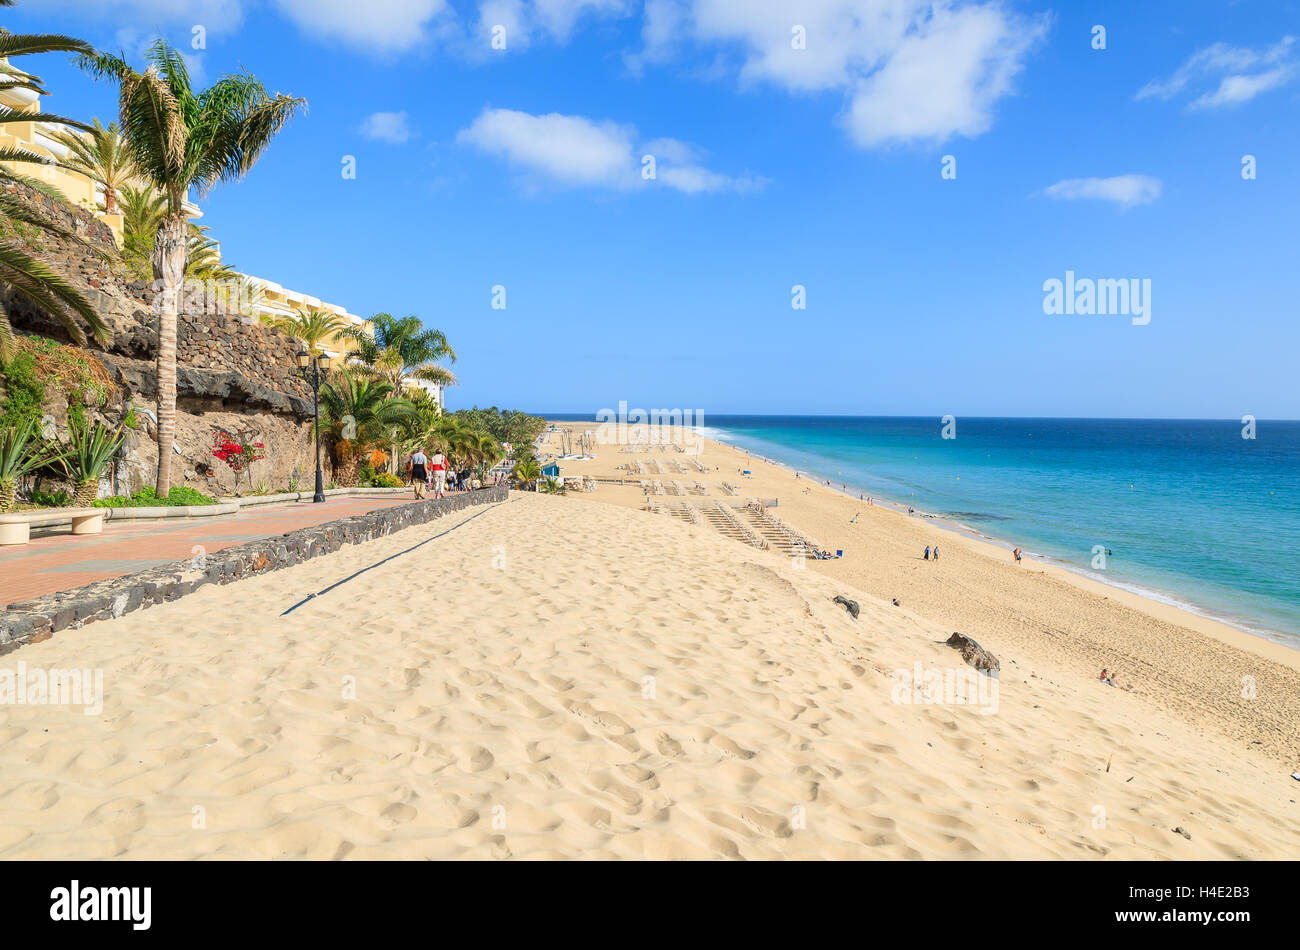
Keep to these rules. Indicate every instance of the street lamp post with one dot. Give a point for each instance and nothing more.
(313, 370)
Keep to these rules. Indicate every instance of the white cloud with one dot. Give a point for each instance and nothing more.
(575, 151)
(1243, 73)
(1124, 190)
(381, 26)
(527, 20)
(1235, 89)
(569, 149)
(942, 80)
(391, 127)
(912, 69)
(558, 17)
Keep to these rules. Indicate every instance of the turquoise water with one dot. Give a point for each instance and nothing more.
(1192, 513)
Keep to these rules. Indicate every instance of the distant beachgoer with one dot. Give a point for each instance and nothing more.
(417, 466)
(896, 603)
(936, 552)
(1016, 554)
(927, 552)
(910, 509)
(1107, 677)
(854, 519)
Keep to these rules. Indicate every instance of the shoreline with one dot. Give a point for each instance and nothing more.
(1198, 670)
(1164, 605)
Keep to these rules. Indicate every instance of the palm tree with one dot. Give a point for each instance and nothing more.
(180, 139)
(101, 156)
(402, 350)
(19, 269)
(490, 452)
(311, 327)
(356, 414)
(527, 471)
(143, 210)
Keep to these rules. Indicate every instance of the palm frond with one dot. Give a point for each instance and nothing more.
(43, 284)
(27, 44)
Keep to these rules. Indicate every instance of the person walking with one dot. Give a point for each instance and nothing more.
(935, 553)
(439, 473)
(927, 552)
(417, 469)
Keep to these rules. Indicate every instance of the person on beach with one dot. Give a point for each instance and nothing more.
(1107, 677)
(417, 466)
(927, 552)
(439, 473)
(1016, 554)
(936, 552)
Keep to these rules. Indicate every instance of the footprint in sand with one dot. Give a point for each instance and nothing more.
(668, 746)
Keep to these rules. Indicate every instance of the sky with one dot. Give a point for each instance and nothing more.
(649, 183)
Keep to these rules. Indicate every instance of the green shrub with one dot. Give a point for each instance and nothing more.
(147, 497)
(24, 391)
(184, 495)
(386, 480)
(58, 499)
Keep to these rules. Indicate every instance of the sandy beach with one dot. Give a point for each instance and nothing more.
(561, 677)
(1191, 666)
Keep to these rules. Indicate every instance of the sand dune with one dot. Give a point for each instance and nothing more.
(560, 678)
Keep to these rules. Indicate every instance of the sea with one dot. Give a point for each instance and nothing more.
(1189, 512)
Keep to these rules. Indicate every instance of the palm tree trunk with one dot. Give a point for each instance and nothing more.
(169, 270)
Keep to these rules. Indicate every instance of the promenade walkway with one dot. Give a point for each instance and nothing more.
(56, 560)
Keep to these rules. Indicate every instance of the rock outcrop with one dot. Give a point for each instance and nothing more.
(234, 374)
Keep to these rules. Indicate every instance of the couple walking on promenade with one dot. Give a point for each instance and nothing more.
(425, 472)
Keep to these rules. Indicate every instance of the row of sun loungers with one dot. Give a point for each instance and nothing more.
(793, 540)
(752, 525)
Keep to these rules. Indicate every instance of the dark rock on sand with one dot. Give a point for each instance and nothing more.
(973, 653)
(850, 605)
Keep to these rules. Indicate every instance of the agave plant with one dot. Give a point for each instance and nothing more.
(91, 447)
(20, 455)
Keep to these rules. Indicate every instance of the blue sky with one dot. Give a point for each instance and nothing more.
(775, 167)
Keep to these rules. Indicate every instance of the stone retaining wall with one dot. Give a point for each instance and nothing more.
(38, 619)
